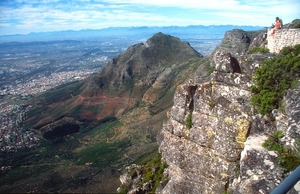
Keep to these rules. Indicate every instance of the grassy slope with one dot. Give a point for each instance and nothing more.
(112, 142)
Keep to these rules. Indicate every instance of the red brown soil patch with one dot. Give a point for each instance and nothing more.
(88, 114)
(108, 110)
(111, 105)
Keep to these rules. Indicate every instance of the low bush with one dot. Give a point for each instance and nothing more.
(189, 121)
(258, 50)
(151, 171)
(288, 159)
(273, 142)
(274, 78)
(297, 26)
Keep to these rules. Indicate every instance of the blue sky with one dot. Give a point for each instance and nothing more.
(25, 16)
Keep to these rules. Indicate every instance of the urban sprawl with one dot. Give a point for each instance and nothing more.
(12, 135)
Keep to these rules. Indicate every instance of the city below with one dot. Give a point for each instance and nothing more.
(27, 69)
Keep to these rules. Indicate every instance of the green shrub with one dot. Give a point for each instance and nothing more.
(273, 142)
(124, 188)
(288, 159)
(133, 173)
(278, 134)
(188, 121)
(258, 50)
(274, 78)
(272, 145)
(152, 170)
(210, 70)
(297, 26)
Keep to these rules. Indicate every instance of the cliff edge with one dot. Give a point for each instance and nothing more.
(213, 138)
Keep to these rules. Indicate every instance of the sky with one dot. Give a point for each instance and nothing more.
(26, 16)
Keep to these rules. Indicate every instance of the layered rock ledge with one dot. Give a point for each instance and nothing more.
(205, 158)
(222, 150)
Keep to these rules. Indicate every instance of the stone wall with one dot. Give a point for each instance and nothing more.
(283, 38)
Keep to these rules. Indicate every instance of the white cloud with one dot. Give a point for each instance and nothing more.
(5, 24)
(55, 15)
(199, 4)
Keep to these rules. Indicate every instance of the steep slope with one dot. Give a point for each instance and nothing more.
(94, 128)
(221, 150)
(143, 66)
(142, 73)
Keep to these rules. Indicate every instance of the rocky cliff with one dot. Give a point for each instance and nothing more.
(221, 151)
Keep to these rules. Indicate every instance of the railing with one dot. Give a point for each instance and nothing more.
(288, 182)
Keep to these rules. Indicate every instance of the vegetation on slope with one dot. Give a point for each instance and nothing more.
(188, 121)
(258, 50)
(151, 172)
(288, 159)
(274, 78)
(111, 127)
(67, 156)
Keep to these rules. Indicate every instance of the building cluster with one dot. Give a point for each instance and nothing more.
(42, 83)
(34, 69)
(12, 135)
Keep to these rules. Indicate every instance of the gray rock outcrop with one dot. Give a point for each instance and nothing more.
(204, 158)
(259, 170)
(221, 151)
(237, 41)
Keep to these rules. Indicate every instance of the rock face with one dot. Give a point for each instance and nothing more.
(221, 151)
(226, 63)
(259, 41)
(204, 158)
(237, 41)
(259, 171)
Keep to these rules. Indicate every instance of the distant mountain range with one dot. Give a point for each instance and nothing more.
(139, 32)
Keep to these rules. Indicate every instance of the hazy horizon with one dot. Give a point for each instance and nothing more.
(123, 27)
(24, 17)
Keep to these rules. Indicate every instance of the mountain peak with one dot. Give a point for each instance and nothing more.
(159, 39)
(140, 65)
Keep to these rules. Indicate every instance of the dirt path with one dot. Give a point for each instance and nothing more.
(115, 133)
